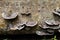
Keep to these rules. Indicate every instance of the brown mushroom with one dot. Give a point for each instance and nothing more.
(9, 15)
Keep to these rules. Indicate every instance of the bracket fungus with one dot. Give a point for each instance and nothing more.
(9, 15)
(49, 27)
(18, 26)
(31, 23)
(51, 22)
(57, 11)
(42, 33)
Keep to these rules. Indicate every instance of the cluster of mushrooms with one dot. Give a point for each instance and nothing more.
(50, 26)
(19, 26)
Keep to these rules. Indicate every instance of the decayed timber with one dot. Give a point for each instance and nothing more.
(26, 16)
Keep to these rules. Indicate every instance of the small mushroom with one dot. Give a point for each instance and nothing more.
(9, 15)
(31, 23)
(41, 33)
(57, 9)
(51, 22)
(13, 28)
(50, 27)
(17, 27)
(57, 12)
(20, 27)
(50, 31)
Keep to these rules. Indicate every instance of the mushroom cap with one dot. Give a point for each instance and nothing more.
(50, 31)
(42, 33)
(57, 13)
(57, 10)
(47, 30)
(31, 23)
(12, 16)
(13, 28)
(50, 27)
(20, 27)
(17, 27)
(51, 22)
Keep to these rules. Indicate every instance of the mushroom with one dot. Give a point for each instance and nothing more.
(19, 26)
(57, 12)
(50, 27)
(41, 33)
(13, 28)
(54, 12)
(48, 30)
(31, 23)
(9, 15)
(51, 22)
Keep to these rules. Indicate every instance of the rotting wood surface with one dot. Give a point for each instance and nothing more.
(40, 11)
